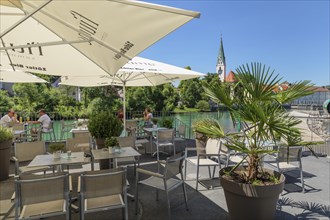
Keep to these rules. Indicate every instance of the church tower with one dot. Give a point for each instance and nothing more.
(221, 63)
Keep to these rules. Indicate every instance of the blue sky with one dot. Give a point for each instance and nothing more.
(291, 37)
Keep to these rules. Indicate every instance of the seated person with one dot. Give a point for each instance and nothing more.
(147, 116)
(44, 120)
(9, 119)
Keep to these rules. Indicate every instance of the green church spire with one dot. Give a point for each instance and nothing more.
(221, 54)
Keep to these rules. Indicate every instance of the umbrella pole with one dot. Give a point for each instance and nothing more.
(124, 106)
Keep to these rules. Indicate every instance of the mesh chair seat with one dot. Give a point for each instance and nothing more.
(285, 166)
(104, 202)
(202, 162)
(159, 183)
(46, 207)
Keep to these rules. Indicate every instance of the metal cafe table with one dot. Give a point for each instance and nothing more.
(100, 154)
(49, 160)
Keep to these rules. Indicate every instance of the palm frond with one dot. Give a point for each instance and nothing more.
(209, 127)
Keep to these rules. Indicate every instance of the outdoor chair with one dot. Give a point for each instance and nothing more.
(82, 135)
(33, 134)
(289, 158)
(50, 131)
(82, 144)
(128, 141)
(65, 128)
(164, 139)
(165, 179)
(181, 135)
(131, 126)
(208, 157)
(18, 127)
(42, 196)
(26, 151)
(102, 190)
(139, 141)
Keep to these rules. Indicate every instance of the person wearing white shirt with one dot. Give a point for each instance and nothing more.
(44, 120)
(8, 120)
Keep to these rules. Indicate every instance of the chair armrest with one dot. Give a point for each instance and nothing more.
(150, 173)
(194, 149)
(162, 161)
(79, 183)
(16, 165)
(14, 158)
(210, 155)
(70, 183)
(191, 149)
(12, 198)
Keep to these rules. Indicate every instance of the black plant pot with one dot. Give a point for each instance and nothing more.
(5, 159)
(246, 201)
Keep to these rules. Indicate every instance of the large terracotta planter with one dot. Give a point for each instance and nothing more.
(246, 201)
(5, 159)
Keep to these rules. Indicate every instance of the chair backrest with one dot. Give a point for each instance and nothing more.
(35, 134)
(65, 126)
(131, 124)
(51, 124)
(48, 187)
(71, 144)
(82, 135)
(26, 151)
(174, 165)
(213, 146)
(128, 141)
(289, 154)
(165, 135)
(182, 131)
(18, 127)
(103, 182)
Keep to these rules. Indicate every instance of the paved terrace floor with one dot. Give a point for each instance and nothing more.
(210, 204)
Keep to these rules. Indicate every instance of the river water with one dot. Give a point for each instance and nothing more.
(189, 118)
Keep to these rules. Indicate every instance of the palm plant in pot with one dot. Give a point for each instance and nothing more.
(252, 102)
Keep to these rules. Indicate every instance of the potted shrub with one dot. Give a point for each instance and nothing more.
(110, 143)
(167, 122)
(56, 149)
(154, 121)
(6, 139)
(252, 191)
(101, 126)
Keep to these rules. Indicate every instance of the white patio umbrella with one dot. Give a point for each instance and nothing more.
(81, 37)
(137, 72)
(11, 76)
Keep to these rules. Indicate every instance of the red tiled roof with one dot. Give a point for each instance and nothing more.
(320, 89)
(230, 77)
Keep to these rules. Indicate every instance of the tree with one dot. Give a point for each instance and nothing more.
(5, 101)
(203, 105)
